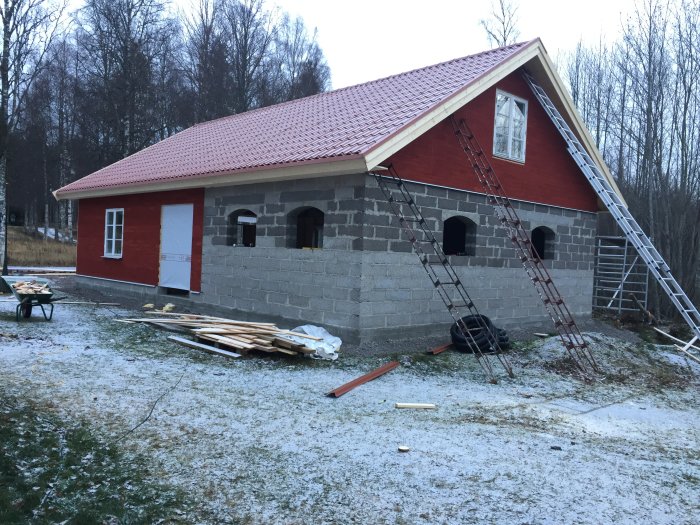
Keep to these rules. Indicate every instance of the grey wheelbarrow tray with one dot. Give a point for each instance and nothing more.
(28, 301)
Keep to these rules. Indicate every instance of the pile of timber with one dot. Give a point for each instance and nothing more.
(225, 333)
(31, 288)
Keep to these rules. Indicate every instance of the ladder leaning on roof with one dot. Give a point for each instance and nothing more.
(634, 233)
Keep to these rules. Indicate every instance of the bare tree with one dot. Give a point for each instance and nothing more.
(641, 100)
(123, 44)
(28, 28)
(205, 62)
(501, 28)
(249, 29)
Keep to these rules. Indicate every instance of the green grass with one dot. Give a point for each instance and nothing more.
(54, 472)
(26, 250)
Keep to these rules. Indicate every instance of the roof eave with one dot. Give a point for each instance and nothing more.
(346, 165)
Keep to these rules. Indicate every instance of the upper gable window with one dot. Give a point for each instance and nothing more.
(509, 127)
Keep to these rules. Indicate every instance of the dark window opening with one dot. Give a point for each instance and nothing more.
(308, 225)
(543, 242)
(459, 236)
(242, 228)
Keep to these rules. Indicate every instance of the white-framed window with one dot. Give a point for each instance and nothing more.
(510, 126)
(114, 232)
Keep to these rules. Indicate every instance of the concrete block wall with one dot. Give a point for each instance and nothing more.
(275, 280)
(574, 230)
(397, 298)
(273, 202)
(365, 283)
(298, 286)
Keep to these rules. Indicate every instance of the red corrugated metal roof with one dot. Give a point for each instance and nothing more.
(345, 123)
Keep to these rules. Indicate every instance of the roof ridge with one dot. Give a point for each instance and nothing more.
(431, 66)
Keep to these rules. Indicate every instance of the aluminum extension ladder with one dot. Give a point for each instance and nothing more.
(554, 303)
(634, 233)
(437, 265)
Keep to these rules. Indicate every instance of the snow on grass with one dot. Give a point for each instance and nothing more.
(254, 440)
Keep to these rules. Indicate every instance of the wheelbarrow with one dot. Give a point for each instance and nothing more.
(31, 292)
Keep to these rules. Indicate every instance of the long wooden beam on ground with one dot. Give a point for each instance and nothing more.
(363, 379)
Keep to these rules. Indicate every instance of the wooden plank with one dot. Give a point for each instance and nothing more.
(415, 405)
(200, 346)
(299, 334)
(285, 351)
(169, 327)
(439, 349)
(210, 319)
(363, 379)
(675, 339)
(228, 341)
(691, 356)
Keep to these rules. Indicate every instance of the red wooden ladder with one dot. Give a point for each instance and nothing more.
(564, 323)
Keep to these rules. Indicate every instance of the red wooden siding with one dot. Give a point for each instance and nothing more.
(549, 174)
(141, 251)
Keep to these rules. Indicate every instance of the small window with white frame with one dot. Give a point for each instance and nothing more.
(510, 126)
(114, 232)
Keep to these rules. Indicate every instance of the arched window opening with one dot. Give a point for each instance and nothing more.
(309, 228)
(543, 242)
(242, 228)
(459, 236)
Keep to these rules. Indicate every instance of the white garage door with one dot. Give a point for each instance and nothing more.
(176, 246)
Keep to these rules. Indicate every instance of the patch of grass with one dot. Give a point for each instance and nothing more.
(27, 250)
(52, 472)
(564, 366)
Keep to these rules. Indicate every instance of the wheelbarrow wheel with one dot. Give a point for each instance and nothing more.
(25, 308)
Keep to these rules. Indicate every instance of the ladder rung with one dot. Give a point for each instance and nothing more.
(452, 306)
(419, 220)
(401, 201)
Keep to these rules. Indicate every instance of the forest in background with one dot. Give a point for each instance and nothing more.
(115, 76)
(639, 96)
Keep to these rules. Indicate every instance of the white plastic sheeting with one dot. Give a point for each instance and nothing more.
(326, 348)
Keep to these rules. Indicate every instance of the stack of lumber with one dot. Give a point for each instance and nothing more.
(31, 288)
(228, 333)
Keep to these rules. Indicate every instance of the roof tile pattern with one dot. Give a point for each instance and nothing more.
(343, 123)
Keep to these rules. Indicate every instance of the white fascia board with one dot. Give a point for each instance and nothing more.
(294, 172)
(444, 110)
(575, 118)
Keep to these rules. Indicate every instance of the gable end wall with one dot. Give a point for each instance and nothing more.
(549, 175)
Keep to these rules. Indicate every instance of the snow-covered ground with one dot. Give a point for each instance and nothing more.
(51, 233)
(255, 440)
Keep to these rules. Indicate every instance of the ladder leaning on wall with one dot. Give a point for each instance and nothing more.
(554, 303)
(437, 265)
(634, 233)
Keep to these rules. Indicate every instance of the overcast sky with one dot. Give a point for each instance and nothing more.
(368, 39)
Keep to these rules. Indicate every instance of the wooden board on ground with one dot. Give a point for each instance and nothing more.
(200, 346)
